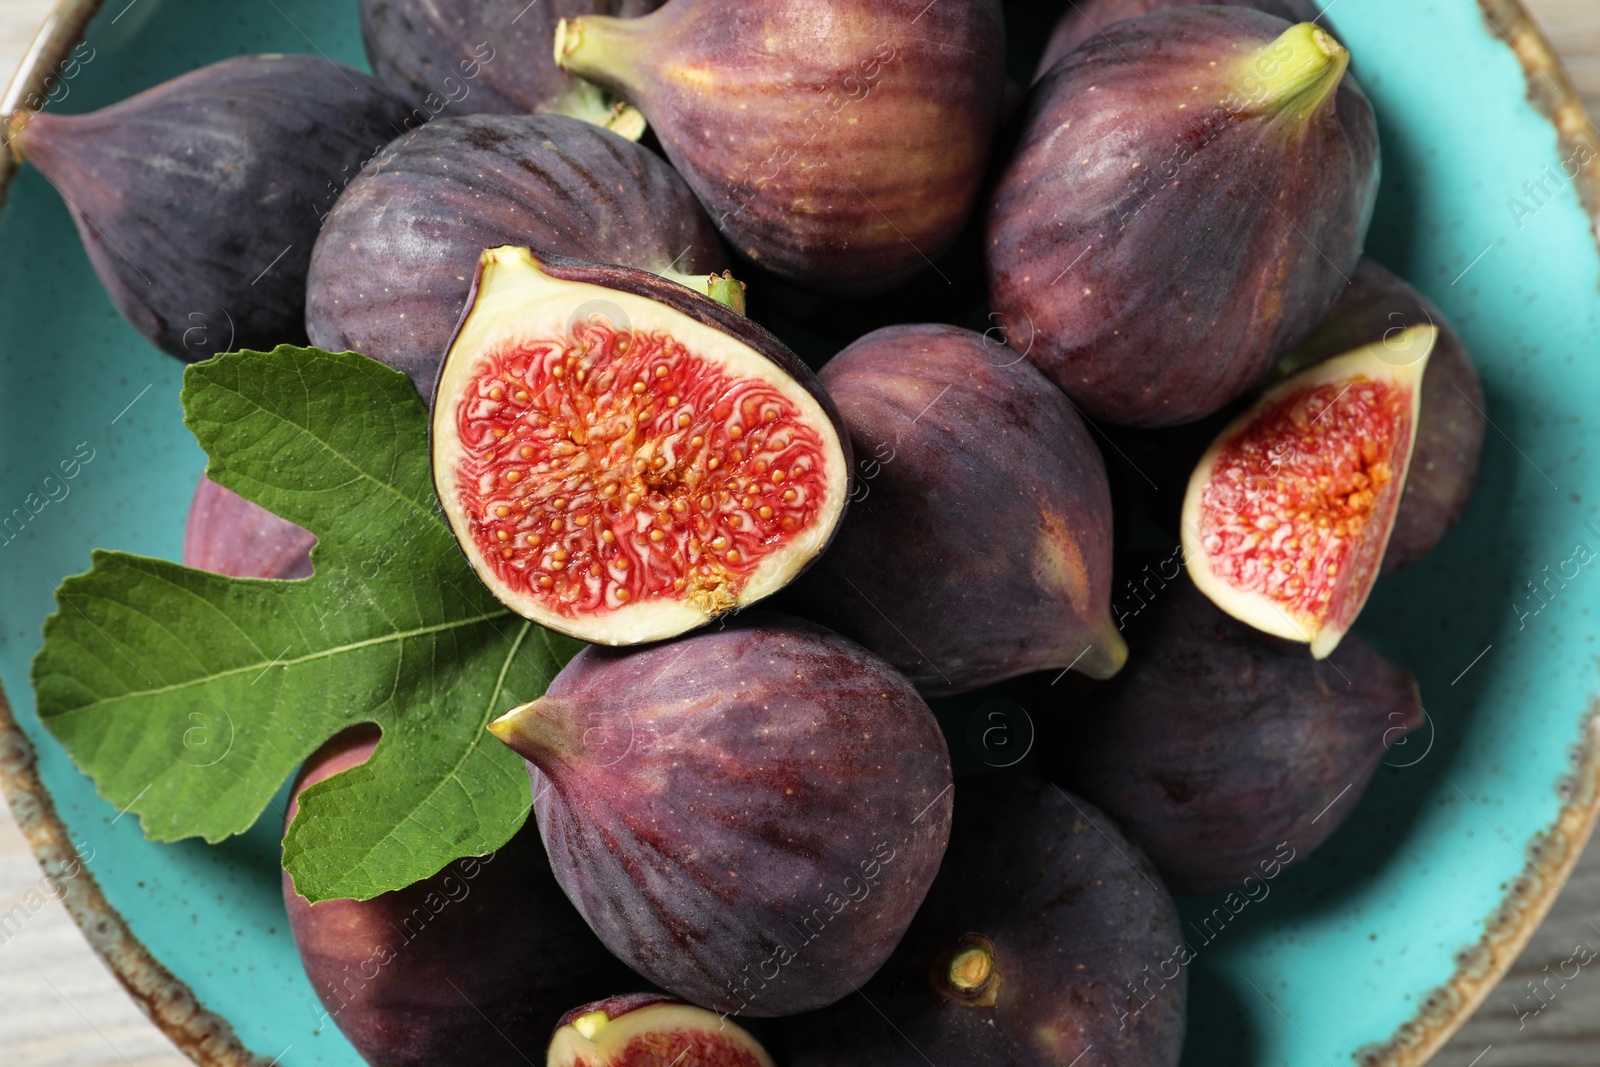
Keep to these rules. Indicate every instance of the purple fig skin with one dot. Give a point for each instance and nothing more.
(1087, 958)
(837, 143)
(397, 256)
(227, 534)
(1449, 437)
(978, 542)
(198, 201)
(480, 56)
(749, 817)
(1086, 19)
(1156, 300)
(406, 974)
(1217, 744)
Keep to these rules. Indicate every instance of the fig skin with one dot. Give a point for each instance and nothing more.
(198, 201)
(748, 816)
(1087, 953)
(1219, 743)
(837, 143)
(396, 259)
(1449, 434)
(477, 57)
(1086, 19)
(978, 545)
(494, 931)
(227, 534)
(1119, 287)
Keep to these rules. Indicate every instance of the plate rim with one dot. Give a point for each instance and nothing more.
(208, 1039)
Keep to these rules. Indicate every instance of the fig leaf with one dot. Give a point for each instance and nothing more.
(189, 697)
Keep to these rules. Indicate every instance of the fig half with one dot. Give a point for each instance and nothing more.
(1288, 514)
(1085, 19)
(622, 459)
(640, 1029)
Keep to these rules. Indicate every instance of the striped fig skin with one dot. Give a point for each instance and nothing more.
(1154, 261)
(199, 200)
(397, 255)
(227, 534)
(749, 817)
(837, 143)
(1088, 18)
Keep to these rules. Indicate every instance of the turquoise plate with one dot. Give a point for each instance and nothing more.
(1372, 951)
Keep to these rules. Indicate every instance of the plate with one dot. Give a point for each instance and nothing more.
(1372, 951)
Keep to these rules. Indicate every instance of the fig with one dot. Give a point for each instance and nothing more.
(952, 427)
(411, 976)
(227, 534)
(1444, 463)
(1087, 18)
(748, 817)
(622, 459)
(474, 57)
(1045, 936)
(637, 1029)
(1289, 511)
(837, 143)
(198, 201)
(1134, 253)
(1217, 745)
(395, 260)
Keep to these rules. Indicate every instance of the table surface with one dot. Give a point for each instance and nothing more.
(63, 1009)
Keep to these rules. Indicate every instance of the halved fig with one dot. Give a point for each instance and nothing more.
(227, 534)
(647, 1028)
(622, 459)
(1289, 512)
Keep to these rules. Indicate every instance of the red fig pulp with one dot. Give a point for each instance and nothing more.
(749, 816)
(646, 1030)
(622, 459)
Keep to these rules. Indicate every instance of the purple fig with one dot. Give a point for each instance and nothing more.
(978, 542)
(397, 256)
(227, 534)
(1377, 306)
(838, 143)
(198, 201)
(1217, 745)
(470, 57)
(645, 1030)
(1088, 18)
(1191, 191)
(1046, 940)
(470, 965)
(749, 817)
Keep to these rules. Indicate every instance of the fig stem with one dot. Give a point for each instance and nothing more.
(14, 124)
(970, 968)
(1106, 654)
(723, 288)
(587, 101)
(605, 50)
(1296, 73)
(543, 731)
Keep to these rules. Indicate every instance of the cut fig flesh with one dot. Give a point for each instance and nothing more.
(622, 467)
(660, 1031)
(1289, 511)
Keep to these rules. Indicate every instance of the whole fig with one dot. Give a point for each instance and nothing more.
(1046, 940)
(1190, 194)
(411, 976)
(978, 542)
(749, 817)
(1085, 19)
(227, 534)
(838, 143)
(198, 201)
(1218, 744)
(397, 256)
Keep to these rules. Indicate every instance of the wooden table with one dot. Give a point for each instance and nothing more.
(60, 1008)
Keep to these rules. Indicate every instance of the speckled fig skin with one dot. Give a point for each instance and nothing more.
(1087, 18)
(1218, 744)
(198, 201)
(837, 143)
(397, 256)
(469, 57)
(1444, 460)
(747, 816)
(978, 542)
(1133, 254)
(1087, 957)
(227, 534)
(396, 973)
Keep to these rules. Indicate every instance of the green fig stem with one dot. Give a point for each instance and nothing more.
(543, 731)
(1106, 653)
(723, 288)
(587, 101)
(605, 50)
(1295, 74)
(969, 973)
(14, 124)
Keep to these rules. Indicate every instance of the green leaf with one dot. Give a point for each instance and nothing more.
(189, 697)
